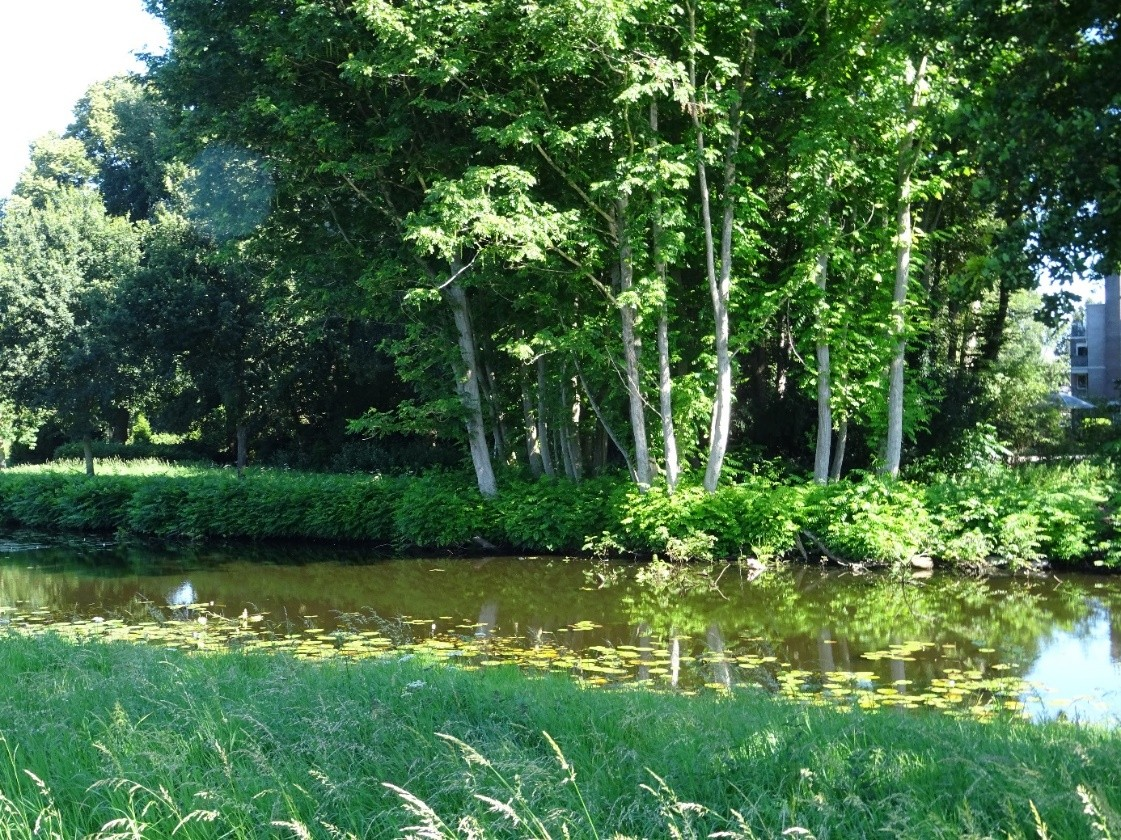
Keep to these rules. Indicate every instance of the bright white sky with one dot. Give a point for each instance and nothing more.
(51, 51)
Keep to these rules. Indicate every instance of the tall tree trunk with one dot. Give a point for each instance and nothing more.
(904, 243)
(665, 403)
(542, 420)
(467, 384)
(614, 438)
(839, 450)
(631, 347)
(719, 286)
(665, 375)
(532, 442)
(87, 452)
(242, 437)
(824, 384)
(994, 330)
(570, 429)
(497, 416)
(120, 421)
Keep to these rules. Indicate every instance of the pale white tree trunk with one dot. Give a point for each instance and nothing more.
(532, 443)
(665, 375)
(719, 285)
(570, 428)
(542, 421)
(904, 231)
(631, 346)
(665, 403)
(467, 384)
(499, 432)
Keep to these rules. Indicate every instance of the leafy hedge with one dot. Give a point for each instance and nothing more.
(984, 517)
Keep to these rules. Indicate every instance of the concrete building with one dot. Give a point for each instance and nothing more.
(1095, 347)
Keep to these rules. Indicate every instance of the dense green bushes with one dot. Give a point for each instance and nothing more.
(983, 517)
(214, 504)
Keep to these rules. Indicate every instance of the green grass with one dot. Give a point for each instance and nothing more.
(112, 740)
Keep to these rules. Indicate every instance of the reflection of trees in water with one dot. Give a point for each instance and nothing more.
(1115, 636)
(721, 670)
(815, 619)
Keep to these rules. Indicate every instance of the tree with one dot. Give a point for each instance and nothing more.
(63, 257)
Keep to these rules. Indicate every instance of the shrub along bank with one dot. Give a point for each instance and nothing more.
(109, 741)
(996, 515)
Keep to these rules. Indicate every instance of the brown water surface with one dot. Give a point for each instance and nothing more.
(1041, 647)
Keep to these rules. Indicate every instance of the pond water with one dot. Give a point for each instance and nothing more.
(1041, 647)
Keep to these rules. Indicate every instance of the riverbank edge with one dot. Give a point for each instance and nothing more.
(1019, 518)
(101, 737)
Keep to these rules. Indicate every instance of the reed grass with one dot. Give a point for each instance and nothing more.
(113, 741)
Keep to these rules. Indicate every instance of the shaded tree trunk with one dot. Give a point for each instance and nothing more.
(242, 437)
(824, 385)
(467, 384)
(87, 453)
(532, 442)
(487, 391)
(631, 347)
(120, 423)
(570, 430)
(543, 429)
(839, 450)
(614, 438)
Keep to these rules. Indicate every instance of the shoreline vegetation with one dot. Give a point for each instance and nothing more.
(112, 740)
(1022, 517)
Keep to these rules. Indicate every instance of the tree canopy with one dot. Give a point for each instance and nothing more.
(666, 238)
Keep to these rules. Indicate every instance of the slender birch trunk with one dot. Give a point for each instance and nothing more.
(467, 384)
(532, 442)
(631, 346)
(904, 243)
(570, 429)
(824, 384)
(610, 432)
(665, 376)
(497, 417)
(542, 421)
(719, 285)
(839, 450)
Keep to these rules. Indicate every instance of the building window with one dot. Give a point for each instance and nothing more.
(1081, 381)
(1080, 351)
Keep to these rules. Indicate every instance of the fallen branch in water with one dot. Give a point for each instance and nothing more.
(824, 550)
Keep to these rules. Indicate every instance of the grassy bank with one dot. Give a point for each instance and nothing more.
(997, 515)
(106, 740)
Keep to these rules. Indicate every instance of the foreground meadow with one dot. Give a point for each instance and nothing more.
(116, 740)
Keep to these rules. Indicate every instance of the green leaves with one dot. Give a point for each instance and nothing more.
(488, 213)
